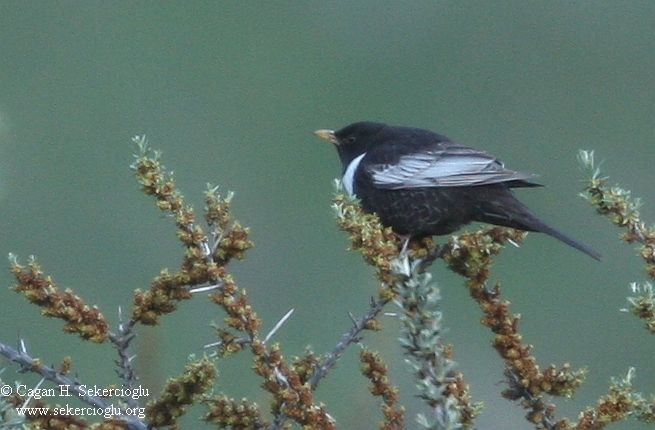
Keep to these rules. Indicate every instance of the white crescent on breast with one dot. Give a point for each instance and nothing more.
(349, 175)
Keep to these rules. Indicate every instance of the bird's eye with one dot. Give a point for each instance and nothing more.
(348, 140)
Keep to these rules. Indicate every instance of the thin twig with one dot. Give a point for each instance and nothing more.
(31, 396)
(206, 288)
(433, 254)
(278, 325)
(121, 342)
(348, 338)
(536, 403)
(278, 422)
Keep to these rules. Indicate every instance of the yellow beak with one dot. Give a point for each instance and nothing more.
(327, 135)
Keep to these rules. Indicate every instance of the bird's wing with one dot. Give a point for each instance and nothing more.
(445, 166)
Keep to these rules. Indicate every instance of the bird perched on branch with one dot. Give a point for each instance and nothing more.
(421, 183)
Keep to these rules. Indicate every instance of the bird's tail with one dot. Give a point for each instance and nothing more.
(512, 213)
(551, 231)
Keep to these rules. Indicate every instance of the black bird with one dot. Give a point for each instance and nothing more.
(421, 183)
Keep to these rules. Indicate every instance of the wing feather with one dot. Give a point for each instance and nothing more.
(455, 166)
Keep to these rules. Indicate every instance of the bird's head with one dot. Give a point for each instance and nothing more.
(352, 140)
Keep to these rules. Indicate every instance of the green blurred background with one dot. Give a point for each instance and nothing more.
(230, 92)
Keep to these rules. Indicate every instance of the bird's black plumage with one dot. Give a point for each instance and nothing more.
(422, 183)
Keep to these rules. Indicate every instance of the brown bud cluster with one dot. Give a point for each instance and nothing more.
(226, 412)
(378, 245)
(374, 368)
(471, 256)
(180, 392)
(86, 321)
(617, 205)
